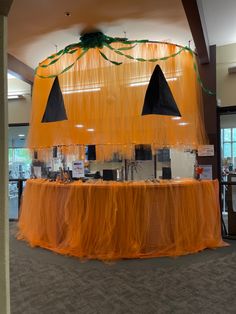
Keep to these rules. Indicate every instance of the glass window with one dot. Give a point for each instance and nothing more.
(227, 150)
(19, 164)
(234, 134)
(227, 135)
(234, 149)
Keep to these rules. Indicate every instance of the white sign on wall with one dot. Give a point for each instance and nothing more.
(206, 150)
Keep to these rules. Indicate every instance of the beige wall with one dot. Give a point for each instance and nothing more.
(182, 165)
(19, 110)
(226, 83)
(228, 121)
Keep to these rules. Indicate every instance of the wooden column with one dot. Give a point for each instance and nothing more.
(4, 224)
(208, 76)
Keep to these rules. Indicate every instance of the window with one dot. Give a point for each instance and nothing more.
(228, 146)
(19, 164)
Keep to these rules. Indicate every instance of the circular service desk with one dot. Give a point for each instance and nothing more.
(112, 220)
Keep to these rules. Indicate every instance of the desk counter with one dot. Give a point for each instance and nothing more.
(111, 220)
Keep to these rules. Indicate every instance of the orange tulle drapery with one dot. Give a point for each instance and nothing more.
(121, 220)
(104, 101)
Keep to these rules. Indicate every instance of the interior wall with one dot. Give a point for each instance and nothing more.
(182, 163)
(19, 109)
(226, 91)
(182, 166)
(228, 121)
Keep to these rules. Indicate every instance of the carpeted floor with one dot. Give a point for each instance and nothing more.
(46, 283)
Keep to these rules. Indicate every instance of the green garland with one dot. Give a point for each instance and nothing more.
(99, 40)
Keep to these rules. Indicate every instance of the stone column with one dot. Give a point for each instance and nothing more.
(4, 224)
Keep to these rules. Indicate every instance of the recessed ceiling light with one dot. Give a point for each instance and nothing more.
(10, 76)
(86, 90)
(9, 97)
(21, 135)
(67, 13)
(183, 123)
(79, 126)
(171, 79)
(139, 83)
(90, 130)
(176, 118)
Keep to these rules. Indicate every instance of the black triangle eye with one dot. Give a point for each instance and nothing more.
(55, 108)
(159, 99)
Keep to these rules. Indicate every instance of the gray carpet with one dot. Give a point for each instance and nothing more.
(43, 282)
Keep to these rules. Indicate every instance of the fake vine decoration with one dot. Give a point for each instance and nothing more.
(98, 40)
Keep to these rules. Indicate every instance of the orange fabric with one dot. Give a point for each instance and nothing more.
(121, 220)
(114, 110)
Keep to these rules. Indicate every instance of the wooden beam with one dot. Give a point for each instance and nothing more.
(5, 6)
(198, 29)
(208, 76)
(4, 214)
(20, 70)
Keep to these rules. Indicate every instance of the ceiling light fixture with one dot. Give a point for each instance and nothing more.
(10, 76)
(21, 135)
(90, 130)
(10, 97)
(171, 79)
(73, 91)
(79, 126)
(139, 84)
(176, 118)
(147, 82)
(183, 123)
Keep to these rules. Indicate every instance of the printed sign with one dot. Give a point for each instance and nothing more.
(37, 172)
(78, 169)
(206, 150)
(207, 172)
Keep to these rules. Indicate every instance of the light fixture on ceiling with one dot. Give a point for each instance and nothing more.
(183, 123)
(79, 126)
(170, 79)
(147, 82)
(10, 76)
(14, 97)
(87, 90)
(176, 118)
(90, 130)
(139, 83)
(21, 135)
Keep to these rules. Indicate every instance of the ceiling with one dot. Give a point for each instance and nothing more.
(5, 6)
(39, 28)
(36, 29)
(220, 21)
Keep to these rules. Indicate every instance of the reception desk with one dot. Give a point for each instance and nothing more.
(112, 220)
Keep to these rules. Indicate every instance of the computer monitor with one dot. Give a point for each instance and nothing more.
(109, 174)
(143, 152)
(91, 152)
